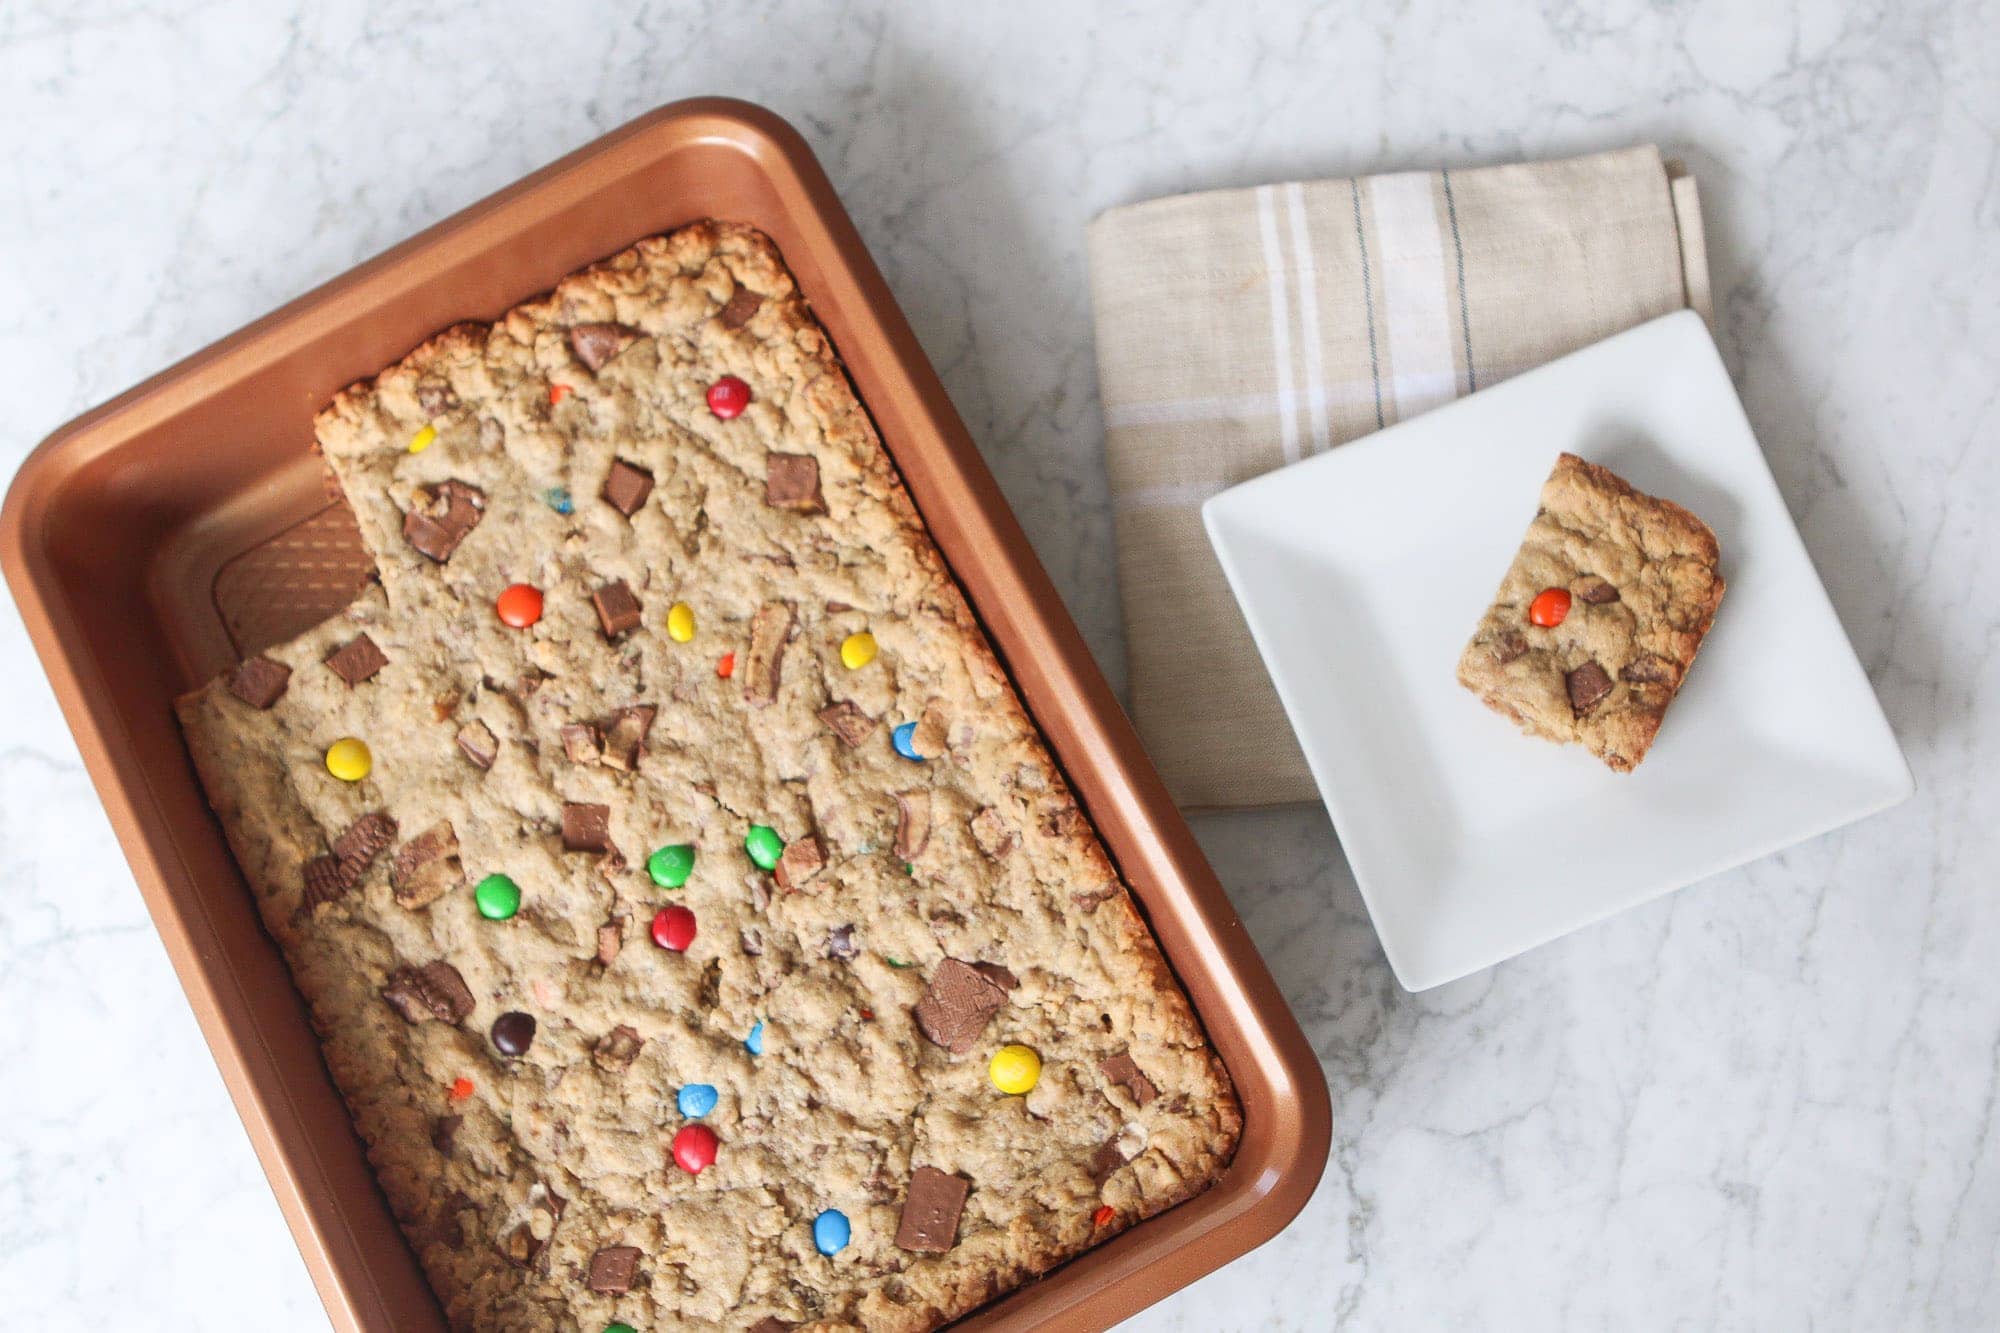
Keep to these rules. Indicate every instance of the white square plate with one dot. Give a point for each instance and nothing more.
(1363, 571)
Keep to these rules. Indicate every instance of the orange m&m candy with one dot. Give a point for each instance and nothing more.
(1550, 607)
(519, 605)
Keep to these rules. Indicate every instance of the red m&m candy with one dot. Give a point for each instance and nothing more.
(694, 1148)
(1550, 607)
(673, 928)
(728, 396)
(519, 605)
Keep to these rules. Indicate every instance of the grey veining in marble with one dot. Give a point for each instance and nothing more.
(1766, 1102)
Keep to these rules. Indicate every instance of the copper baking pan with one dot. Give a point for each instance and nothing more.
(156, 540)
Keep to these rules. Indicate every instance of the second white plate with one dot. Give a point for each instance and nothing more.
(1363, 571)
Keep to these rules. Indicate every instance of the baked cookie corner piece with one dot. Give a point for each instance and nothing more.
(1599, 617)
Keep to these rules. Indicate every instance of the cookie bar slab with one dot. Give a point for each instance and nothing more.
(662, 979)
(1599, 617)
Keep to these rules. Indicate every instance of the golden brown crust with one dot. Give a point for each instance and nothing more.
(848, 1096)
(1645, 585)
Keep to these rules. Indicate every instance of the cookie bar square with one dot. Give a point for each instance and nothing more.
(1599, 617)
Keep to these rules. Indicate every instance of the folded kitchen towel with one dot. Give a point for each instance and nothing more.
(1241, 330)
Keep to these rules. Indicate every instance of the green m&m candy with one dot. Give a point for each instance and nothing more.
(620, 1328)
(498, 897)
(671, 866)
(764, 846)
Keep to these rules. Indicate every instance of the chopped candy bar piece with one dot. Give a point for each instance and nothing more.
(259, 681)
(958, 1005)
(791, 481)
(427, 867)
(627, 487)
(1122, 1069)
(357, 660)
(617, 609)
(586, 828)
(435, 990)
(931, 1208)
(596, 344)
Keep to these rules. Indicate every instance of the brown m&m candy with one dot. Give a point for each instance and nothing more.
(513, 1032)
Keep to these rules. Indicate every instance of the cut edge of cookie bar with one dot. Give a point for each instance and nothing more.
(1659, 533)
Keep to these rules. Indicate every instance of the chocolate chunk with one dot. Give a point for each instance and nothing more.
(627, 487)
(617, 609)
(803, 858)
(1651, 669)
(931, 1209)
(427, 867)
(625, 736)
(929, 738)
(444, 1133)
(612, 1269)
(770, 1323)
(1595, 590)
(769, 629)
(586, 828)
(436, 397)
(513, 1032)
(610, 939)
(847, 722)
(1092, 899)
(743, 306)
(363, 841)
(326, 880)
(259, 681)
(1588, 685)
(596, 344)
(913, 824)
(617, 1049)
(1508, 645)
(1123, 1069)
(1107, 1159)
(840, 943)
(581, 744)
(477, 742)
(998, 975)
(357, 660)
(791, 481)
(441, 518)
(958, 1005)
(990, 831)
(435, 990)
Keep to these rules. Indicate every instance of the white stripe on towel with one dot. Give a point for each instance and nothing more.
(1412, 269)
(1281, 318)
(1311, 352)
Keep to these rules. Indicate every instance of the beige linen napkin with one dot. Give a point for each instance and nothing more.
(1241, 330)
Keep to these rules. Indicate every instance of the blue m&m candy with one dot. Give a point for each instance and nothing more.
(696, 1100)
(904, 739)
(754, 1043)
(831, 1232)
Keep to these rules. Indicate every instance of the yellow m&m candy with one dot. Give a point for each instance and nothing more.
(857, 650)
(423, 439)
(348, 759)
(1015, 1070)
(680, 622)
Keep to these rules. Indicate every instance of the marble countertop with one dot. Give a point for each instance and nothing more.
(1768, 1101)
